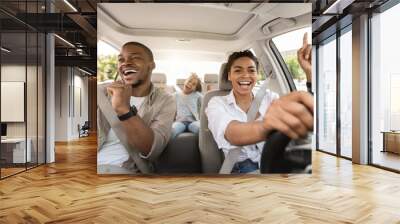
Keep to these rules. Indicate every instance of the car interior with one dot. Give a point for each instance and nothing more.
(196, 33)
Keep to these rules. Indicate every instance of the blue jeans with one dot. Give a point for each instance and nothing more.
(182, 126)
(245, 166)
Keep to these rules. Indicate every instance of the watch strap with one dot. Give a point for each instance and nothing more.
(132, 112)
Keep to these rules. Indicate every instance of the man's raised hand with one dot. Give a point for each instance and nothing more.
(120, 96)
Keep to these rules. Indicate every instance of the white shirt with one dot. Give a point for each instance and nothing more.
(113, 152)
(221, 110)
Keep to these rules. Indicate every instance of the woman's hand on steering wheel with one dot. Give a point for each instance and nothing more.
(291, 114)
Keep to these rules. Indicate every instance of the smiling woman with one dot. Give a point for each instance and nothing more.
(234, 116)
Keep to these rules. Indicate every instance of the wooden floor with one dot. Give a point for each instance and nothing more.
(5, 172)
(10, 171)
(70, 191)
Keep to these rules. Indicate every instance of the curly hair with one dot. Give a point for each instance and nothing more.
(198, 84)
(239, 54)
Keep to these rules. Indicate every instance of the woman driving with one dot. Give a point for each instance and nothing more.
(291, 114)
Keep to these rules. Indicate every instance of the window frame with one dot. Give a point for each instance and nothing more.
(341, 32)
(334, 36)
(379, 10)
(282, 65)
(40, 60)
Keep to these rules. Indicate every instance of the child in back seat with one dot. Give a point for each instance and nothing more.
(188, 107)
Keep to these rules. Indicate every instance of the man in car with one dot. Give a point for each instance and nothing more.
(134, 117)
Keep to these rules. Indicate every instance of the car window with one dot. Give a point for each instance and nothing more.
(106, 61)
(287, 45)
(177, 67)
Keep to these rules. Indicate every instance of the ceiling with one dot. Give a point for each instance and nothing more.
(23, 48)
(208, 29)
(76, 25)
(329, 16)
(184, 17)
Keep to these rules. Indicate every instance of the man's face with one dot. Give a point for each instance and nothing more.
(134, 65)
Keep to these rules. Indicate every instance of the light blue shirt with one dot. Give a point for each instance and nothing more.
(188, 106)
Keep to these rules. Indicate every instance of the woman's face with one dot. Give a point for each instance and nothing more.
(243, 75)
(190, 85)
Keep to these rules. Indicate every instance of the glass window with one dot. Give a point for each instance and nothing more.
(31, 97)
(106, 61)
(326, 101)
(346, 92)
(385, 89)
(14, 151)
(175, 64)
(287, 45)
(22, 92)
(13, 148)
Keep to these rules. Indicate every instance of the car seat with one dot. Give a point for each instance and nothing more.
(211, 82)
(181, 156)
(160, 80)
(180, 83)
(211, 156)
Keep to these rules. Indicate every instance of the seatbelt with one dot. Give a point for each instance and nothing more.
(233, 154)
(105, 106)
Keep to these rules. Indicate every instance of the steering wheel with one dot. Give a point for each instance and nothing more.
(284, 155)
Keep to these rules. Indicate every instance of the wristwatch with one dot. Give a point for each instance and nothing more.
(132, 112)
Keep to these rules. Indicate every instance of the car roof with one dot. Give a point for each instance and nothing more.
(207, 30)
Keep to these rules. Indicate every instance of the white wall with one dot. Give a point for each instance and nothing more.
(67, 115)
(79, 117)
(33, 126)
(16, 73)
(61, 103)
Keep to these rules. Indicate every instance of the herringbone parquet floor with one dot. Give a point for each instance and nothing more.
(70, 191)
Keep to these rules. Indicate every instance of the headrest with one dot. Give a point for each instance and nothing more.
(158, 78)
(211, 78)
(224, 83)
(180, 81)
